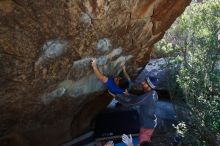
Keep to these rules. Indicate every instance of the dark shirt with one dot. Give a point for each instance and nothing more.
(146, 106)
(147, 110)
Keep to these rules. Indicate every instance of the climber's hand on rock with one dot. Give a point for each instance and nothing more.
(123, 66)
(93, 62)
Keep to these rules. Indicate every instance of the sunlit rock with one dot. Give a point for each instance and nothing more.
(159, 69)
(103, 45)
(52, 49)
(85, 19)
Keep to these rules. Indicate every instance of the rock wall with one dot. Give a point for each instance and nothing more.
(48, 92)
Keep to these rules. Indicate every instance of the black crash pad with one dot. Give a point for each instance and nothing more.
(112, 124)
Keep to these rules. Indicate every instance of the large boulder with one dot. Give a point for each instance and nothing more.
(160, 69)
(48, 91)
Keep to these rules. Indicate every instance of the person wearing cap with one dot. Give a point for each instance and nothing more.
(146, 107)
(148, 110)
(115, 85)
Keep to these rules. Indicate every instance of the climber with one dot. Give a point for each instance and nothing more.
(146, 106)
(115, 85)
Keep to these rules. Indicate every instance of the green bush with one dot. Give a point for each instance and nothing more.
(192, 43)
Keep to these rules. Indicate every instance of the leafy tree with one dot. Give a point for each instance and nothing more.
(192, 42)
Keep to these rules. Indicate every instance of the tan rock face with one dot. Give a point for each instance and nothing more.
(46, 82)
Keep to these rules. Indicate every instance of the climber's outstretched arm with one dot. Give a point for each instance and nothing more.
(99, 75)
(125, 72)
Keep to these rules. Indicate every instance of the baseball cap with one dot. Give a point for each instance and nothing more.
(151, 81)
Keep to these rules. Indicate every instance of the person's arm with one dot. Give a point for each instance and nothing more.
(127, 76)
(109, 143)
(99, 75)
(113, 95)
(125, 72)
